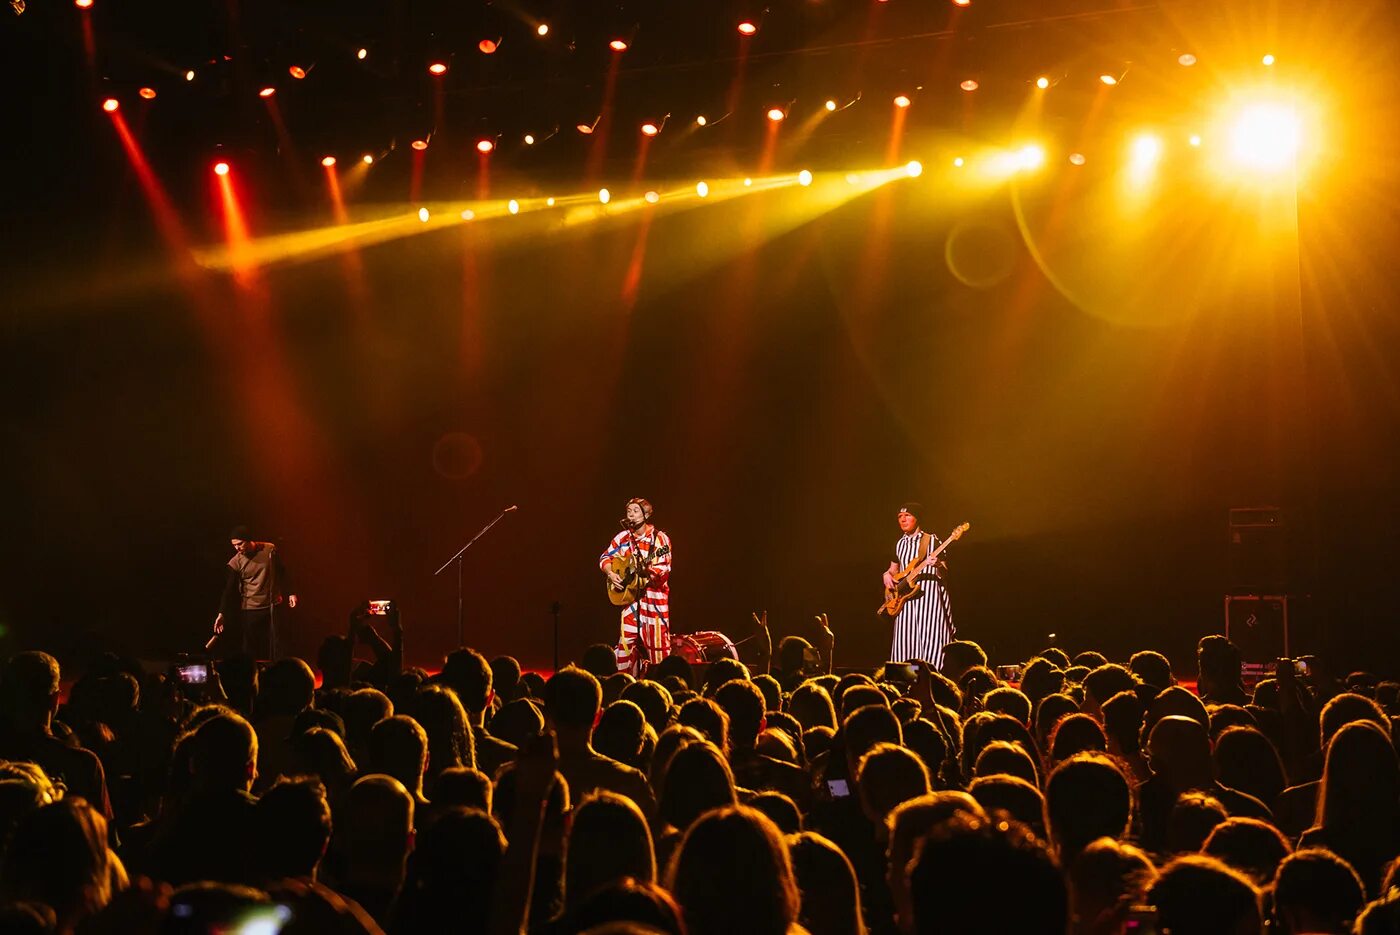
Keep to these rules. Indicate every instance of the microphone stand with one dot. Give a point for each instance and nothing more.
(458, 559)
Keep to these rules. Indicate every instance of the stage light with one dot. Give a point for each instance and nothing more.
(488, 46)
(830, 105)
(297, 72)
(1109, 80)
(1186, 59)
(748, 183)
(1076, 159)
(1030, 157)
(148, 93)
(804, 178)
(1265, 136)
(419, 145)
(776, 113)
(651, 198)
(110, 105)
(1144, 154)
(83, 4)
(513, 206)
(702, 189)
(618, 45)
(962, 2)
(529, 139)
(362, 54)
(650, 129)
(221, 168)
(542, 29)
(901, 101)
(367, 159)
(604, 195)
(1268, 59)
(189, 75)
(437, 68)
(959, 162)
(1195, 139)
(485, 146)
(584, 128)
(700, 121)
(1042, 82)
(423, 215)
(914, 168)
(968, 84)
(267, 92)
(328, 161)
(549, 201)
(468, 214)
(747, 29)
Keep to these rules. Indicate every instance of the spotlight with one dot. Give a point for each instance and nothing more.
(468, 214)
(529, 139)
(901, 101)
(702, 189)
(419, 145)
(1186, 59)
(437, 68)
(1109, 80)
(700, 121)
(776, 113)
(297, 72)
(1265, 137)
(328, 161)
(651, 198)
(748, 183)
(1195, 139)
(958, 162)
(267, 91)
(367, 159)
(110, 105)
(423, 215)
(585, 128)
(485, 146)
(1042, 82)
(962, 2)
(362, 54)
(542, 29)
(189, 75)
(914, 169)
(830, 105)
(604, 195)
(747, 29)
(549, 201)
(1268, 59)
(1076, 159)
(488, 46)
(968, 84)
(83, 4)
(513, 206)
(1030, 157)
(618, 45)
(804, 178)
(148, 93)
(650, 129)
(221, 168)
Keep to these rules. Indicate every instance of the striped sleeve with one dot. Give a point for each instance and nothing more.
(616, 547)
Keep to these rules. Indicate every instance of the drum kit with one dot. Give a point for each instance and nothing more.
(704, 647)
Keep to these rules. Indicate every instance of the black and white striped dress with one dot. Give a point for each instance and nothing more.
(925, 624)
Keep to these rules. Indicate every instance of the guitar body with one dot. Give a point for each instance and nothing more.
(906, 583)
(634, 582)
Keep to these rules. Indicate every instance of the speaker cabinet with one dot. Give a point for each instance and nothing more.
(1258, 625)
(1258, 557)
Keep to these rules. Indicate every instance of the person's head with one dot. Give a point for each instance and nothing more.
(743, 702)
(464, 786)
(241, 538)
(506, 678)
(905, 828)
(572, 699)
(959, 656)
(697, 779)
(362, 709)
(444, 720)
(1191, 820)
(867, 726)
(1217, 664)
(975, 684)
(1010, 701)
(291, 828)
(887, 776)
(638, 512)
(1105, 880)
(1048, 713)
(608, 840)
(1101, 684)
(470, 676)
(1179, 750)
(1360, 781)
(1174, 701)
(1315, 891)
(377, 829)
(1253, 847)
(1013, 795)
(1004, 758)
(224, 753)
(723, 670)
(30, 683)
(452, 872)
(288, 687)
(930, 744)
(772, 691)
(830, 903)
(58, 856)
(1246, 760)
(858, 696)
(1076, 733)
(621, 732)
(398, 747)
(1056, 655)
(1087, 797)
(780, 809)
(628, 907)
(1201, 895)
(908, 516)
(1040, 678)
(1122, 724)
(1152, 668)
(518, 722)
(708, 718)
(654, 700)
(732, 873)
(1090, 659)
(983, 729)
(600, 661)
(964, 870)
(1348, 708)
(796, 657)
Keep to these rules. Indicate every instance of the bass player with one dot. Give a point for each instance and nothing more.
(642, 551)
(925, 622)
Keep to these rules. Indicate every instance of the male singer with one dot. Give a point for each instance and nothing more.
(256, 584)
(645, 638)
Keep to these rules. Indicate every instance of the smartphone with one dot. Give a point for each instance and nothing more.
(1140, 920)
(195, 674)
(900, 671)
(379, 608)
(1302, 667)
(1010, 673)
(839, 788)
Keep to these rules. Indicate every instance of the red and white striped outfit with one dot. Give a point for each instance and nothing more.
(646, 624)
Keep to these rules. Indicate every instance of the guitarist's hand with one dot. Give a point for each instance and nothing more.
(614, 578)
(889, 581)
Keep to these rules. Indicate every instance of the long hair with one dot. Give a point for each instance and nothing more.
(732, 873)
(1360, 781)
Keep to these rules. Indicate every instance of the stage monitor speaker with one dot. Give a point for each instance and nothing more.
(1258, 551)
(1258, 625)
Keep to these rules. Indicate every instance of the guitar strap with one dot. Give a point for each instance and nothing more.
(925, 543)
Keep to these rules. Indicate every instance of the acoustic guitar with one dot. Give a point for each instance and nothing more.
(906, 583)
(634, 575)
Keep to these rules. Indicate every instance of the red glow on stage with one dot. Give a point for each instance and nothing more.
(110, 105)
(437, 68)
(221, 168)
(484, 146)
(488, 46)
(297, 72)
(747, 29)
(148, 93)
(267, 92)
(328, 162)
(618, 45)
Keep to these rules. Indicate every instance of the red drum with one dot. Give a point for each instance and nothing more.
(703, 647)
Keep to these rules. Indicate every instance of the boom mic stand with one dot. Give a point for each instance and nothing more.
(458, 559)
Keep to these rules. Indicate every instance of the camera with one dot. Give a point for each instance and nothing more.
(901, 672)
(380, 608)
(1011, 673)
(196, 673)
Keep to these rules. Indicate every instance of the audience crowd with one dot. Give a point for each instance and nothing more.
(1083, 796)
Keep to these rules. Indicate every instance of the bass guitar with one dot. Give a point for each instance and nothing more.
(634, 575)
(906, 583)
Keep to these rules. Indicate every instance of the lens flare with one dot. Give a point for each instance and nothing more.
(1265, 136)
(804, 178)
